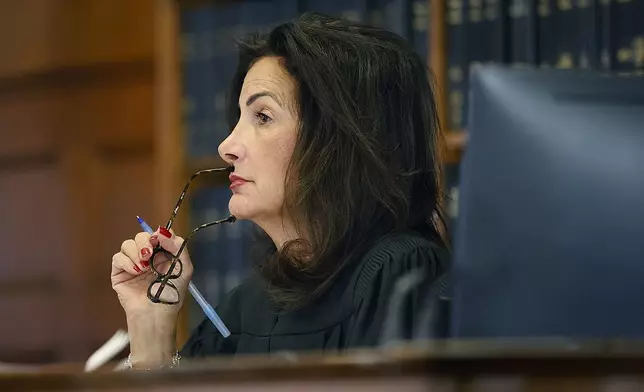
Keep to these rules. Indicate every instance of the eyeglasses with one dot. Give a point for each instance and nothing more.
(160, 255)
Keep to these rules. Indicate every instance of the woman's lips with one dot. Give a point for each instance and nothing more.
(236, 180)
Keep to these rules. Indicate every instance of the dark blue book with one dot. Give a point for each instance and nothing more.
(486, 32)
(395, 16)
(191, 113)
(457, 63)
(458, 45)
(623, 36)
(567, 41)
(605, 44)
(420, 28)
(356, 10)
(208, 140)
(228, 24)
(478, 41)
(522, 25)
(261, 16)
(547, 33)
(495, 22)
(589, 34)
(209, 247)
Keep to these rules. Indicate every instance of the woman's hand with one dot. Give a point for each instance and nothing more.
(132, 274)
(151, 326)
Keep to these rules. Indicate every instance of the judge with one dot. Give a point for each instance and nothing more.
(334, 146)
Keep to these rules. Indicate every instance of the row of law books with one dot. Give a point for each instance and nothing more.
(570, 34)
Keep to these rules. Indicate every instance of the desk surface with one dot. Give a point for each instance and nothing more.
(446, 365)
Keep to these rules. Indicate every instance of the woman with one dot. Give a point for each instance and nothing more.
(334, 154)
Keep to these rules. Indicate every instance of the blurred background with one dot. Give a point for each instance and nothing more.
(107, 107)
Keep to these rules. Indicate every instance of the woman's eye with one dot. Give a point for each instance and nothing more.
(262, 118)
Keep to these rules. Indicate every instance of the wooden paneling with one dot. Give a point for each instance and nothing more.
(37, 36)
(76, 166)
(28, 36)
(33, 238)
(111, 110)
(117, 114)
(30, 326)
(26, 119)
(128, 184)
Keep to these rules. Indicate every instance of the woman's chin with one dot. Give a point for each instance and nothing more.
(238, 207)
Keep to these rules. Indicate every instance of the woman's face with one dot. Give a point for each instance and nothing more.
(261, 144)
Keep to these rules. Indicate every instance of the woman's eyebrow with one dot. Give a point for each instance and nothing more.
(260, 94)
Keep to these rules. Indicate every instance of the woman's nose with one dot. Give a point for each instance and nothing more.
(226, 154)
(230, 150)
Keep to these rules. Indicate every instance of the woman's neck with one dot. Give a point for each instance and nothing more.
(279, 230)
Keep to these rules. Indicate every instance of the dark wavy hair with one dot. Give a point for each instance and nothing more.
(365, 162)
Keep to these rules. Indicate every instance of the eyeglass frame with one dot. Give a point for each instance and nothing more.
(164, 278)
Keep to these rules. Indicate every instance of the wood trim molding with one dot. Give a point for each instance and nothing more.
(15, 162)
(87, 75)
(456, 142)
(39, 285)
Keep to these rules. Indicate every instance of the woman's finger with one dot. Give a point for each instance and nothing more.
(130, 249)
(124, 263)
(144, 247)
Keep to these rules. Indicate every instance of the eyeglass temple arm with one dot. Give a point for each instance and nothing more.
(185, 190)
(230, 219)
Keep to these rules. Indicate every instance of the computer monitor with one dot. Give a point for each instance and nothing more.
(550, 234)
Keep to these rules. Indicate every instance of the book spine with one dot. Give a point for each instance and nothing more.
(605, 43)
(627, 36)
(496, 22)
(420, 24)
(397, 17)
(477, 38)
(567, 40)
(457, 63)
(522, 16)
(589, 34)
(637, 42)
(190, 81)
(546, 33)
(457, 25)
(355, 10)
(208, 140)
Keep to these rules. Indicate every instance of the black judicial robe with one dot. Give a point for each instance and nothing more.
(350, 314)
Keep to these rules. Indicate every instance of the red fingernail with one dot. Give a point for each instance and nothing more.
(145, 263)
(165, 232)
(145, 252)
(136, 268)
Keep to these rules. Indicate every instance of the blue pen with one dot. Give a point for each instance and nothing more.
(205, 306)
